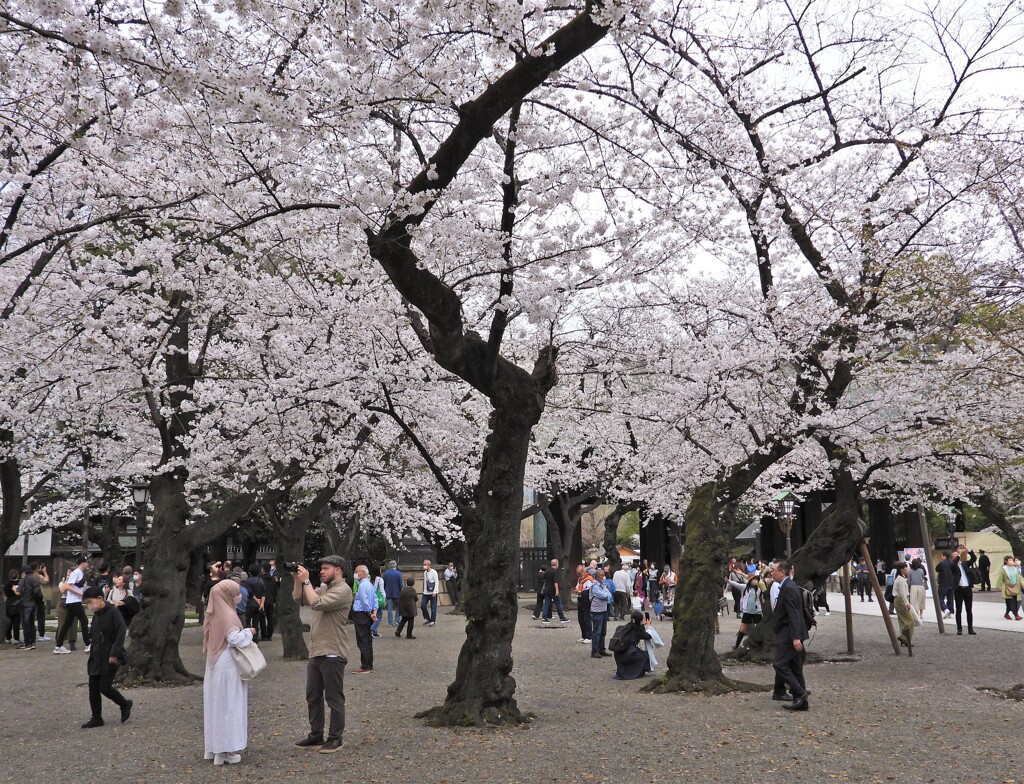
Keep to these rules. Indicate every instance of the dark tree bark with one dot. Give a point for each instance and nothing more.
(996, 515)
(693, 665)
(611, 535)
(483, 690)
(828, 547)
(153, 656)
(10, 493)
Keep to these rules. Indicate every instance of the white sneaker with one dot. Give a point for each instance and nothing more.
(227, 759)
(88, 648)
(209, 755)
(61, 649)
(43, 638)
(827, 613)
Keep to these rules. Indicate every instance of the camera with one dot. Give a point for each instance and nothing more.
(290, 566)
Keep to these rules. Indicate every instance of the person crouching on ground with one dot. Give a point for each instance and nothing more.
(631, 662)
(225, 694)
(105, 655)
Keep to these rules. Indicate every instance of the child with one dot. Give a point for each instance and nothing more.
(407, 608)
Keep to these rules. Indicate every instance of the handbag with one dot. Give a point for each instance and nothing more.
(249, 660)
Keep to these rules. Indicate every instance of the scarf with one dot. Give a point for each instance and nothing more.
(221, 618)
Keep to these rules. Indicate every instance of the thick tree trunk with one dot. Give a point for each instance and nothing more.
(290, 547)
(611, 537)
(153, 653)
(693, 665)
(828, 547)
(996, 515)
(483, 690)
(10, 493)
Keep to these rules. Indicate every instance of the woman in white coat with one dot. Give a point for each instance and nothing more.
(225, 694)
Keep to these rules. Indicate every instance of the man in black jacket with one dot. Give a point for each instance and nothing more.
(963, 594)
(790, 631)
(105, 655)
(984, 564)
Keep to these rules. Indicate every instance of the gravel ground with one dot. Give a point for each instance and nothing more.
(880, 719)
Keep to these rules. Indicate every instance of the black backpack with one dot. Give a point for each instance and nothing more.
(617, 643)
(807, 602)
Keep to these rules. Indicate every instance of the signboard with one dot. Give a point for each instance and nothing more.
(946, 544)
(38, 545)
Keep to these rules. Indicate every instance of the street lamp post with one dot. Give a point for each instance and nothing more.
(786, 501)
(951, 523)
(140, 495)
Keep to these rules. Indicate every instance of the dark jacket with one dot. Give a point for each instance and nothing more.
(949, 575)
(789, 615)
(407, 602)
(108, 631)
(393, 583)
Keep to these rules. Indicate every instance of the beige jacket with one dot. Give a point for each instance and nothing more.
(328, 633)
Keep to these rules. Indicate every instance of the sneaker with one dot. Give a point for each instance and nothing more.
(44, 638)
(430, 623)
(227, 759)
(827, 613)
(88, 648)
(582, 640)
(126, 711)
(536, 617)
(595, 655)
(375, 634)
(564, 620)
(310, 742)
(61, 649)
(332, 745)
(545, 620)
(363, 670)
(26, 647)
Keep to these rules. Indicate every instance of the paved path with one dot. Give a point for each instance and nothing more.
(988, 612)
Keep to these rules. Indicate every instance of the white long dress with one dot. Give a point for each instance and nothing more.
(226, 701)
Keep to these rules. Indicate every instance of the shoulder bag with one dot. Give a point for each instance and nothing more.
(249, 660)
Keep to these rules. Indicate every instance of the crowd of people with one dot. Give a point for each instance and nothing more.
(238, 607)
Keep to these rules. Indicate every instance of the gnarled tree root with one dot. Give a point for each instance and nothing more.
(473, 714)
(178, 676)
(691, 683)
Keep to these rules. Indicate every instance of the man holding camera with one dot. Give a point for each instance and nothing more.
(328, 650)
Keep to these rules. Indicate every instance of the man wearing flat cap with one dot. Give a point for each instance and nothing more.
(328, 651)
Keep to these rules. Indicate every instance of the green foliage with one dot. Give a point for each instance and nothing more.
(628, 530)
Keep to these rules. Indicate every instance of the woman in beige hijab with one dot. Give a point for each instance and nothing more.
(225, 694)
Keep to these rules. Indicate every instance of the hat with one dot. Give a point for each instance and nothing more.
(333, 560)
(92, 592)
(81, 559)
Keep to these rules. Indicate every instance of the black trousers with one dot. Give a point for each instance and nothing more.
(964, 597)
(364, 639)
(75, 611)
(453, 590)
(583, 615)
(267, 621)
(789, 669)
(325, 681)
(103, 685)
(41, 618)
(986, 583)
(406, 619)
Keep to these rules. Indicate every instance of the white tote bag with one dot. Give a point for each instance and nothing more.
(249, 660)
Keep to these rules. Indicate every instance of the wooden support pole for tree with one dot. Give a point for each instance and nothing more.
(880, 597)
(932, 581)
(848, 601)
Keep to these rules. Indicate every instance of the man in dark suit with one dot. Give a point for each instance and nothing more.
(984, 564)
(790, 631)
(963, 595)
